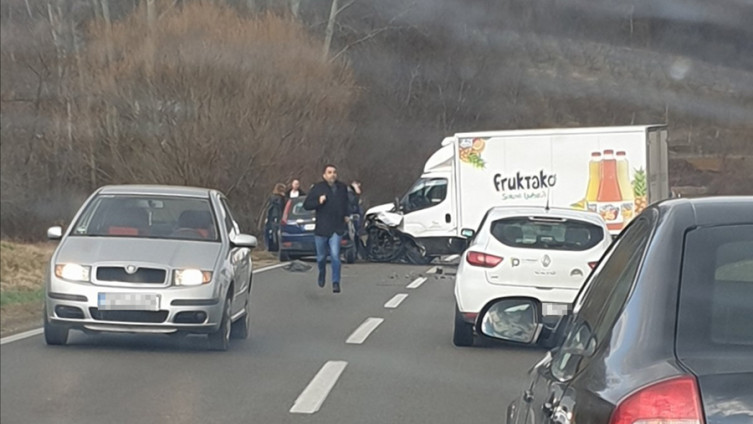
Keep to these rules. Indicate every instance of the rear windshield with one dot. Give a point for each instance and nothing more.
(296, 210)
(716, 291)
(547, 233)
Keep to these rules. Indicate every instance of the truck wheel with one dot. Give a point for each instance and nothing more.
(463, 334)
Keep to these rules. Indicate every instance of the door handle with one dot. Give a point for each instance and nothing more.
(447, 218)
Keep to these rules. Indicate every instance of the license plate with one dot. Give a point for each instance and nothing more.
(556, 308)
(128, 301)
(309, 227)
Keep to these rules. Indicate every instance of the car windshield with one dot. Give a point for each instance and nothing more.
(148, 217)
(547, 233)
(716, 291)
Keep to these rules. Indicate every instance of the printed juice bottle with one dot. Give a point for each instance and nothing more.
(626, 189)
(594, 178)
(609, 199)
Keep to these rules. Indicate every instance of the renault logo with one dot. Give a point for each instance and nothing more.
(130, 269)
(546, 261)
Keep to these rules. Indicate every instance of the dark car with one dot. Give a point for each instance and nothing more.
(297, 234)
(662, 331)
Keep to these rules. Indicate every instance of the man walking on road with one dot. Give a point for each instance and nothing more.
(330, 200)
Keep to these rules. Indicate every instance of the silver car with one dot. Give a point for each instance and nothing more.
(150, 259)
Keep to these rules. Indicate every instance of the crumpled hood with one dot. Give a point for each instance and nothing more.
(165, 253)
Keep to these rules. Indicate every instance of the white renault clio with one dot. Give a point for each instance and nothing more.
(534, 252)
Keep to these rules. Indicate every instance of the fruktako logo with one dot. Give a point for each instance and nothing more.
(524, 182)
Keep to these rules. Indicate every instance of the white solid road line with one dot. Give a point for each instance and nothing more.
(37, 331)
(21, 336)
(416, 283)
(395, 301)
(312, 397)
(363, 331)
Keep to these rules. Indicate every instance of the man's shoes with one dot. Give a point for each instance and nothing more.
(335, 287)
(320, 282)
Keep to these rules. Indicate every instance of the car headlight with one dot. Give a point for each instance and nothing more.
(73, 272)
(192, 277)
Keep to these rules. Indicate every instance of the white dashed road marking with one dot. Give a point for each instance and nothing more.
(450, 258)
(313, 396)
(362, 332)
(416, 283)
(395, 301)
(432, 270)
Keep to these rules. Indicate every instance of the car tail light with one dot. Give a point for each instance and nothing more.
(285, 213)
(593, 264)
(675, 401)
(483, 259)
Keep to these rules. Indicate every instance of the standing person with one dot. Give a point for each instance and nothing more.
(276, 204)
(295, 189)
(330, 200)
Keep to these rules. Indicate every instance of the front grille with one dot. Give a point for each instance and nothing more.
(142, 275)
(129, 316)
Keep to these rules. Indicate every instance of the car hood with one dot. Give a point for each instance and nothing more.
(727, 398)
(170, 253)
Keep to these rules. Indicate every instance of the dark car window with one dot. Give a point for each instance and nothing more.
(148, 216)
(425, 193)
(716, 292)
(547, 233)
(296, 210)
(597, 309)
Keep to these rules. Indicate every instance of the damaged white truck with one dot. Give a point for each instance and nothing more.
(615, 171)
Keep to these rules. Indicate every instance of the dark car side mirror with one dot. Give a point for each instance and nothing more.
(511, 319)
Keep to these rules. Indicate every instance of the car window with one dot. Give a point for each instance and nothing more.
(716, 291)
(608, 289)
(425, 193)
(296, 210)
(534, 232)
(230, 222)
(148, 217)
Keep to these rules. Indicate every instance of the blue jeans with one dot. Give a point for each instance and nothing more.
(331, 245)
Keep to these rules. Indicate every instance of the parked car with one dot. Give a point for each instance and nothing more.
(538, 252)
(150, 259)
(297, 234)
(660, 333)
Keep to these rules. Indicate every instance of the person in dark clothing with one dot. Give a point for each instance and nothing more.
(295, 189)
(330, 200)
(276, 204)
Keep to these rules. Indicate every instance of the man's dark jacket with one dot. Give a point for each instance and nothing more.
(330, 216)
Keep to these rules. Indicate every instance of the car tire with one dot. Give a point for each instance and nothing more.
(462, 335)
(350, 254)
(54, 335)
(220, 339)
(242, 328)
(284, 256)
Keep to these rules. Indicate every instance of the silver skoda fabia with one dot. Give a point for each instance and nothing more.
(150, 259)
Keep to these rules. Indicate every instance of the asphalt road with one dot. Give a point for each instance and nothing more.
(305, 362)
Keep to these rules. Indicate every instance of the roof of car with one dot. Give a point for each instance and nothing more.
(149, 189)
(497, 212)
(713, 210)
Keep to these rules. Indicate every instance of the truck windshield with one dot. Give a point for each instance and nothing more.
(425, 193)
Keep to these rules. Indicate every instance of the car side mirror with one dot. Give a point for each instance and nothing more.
(511, 319)
(244, 240)
(467, 232)
(55, 233)
(397, 204)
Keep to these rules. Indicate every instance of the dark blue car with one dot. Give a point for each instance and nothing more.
(297, 234)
